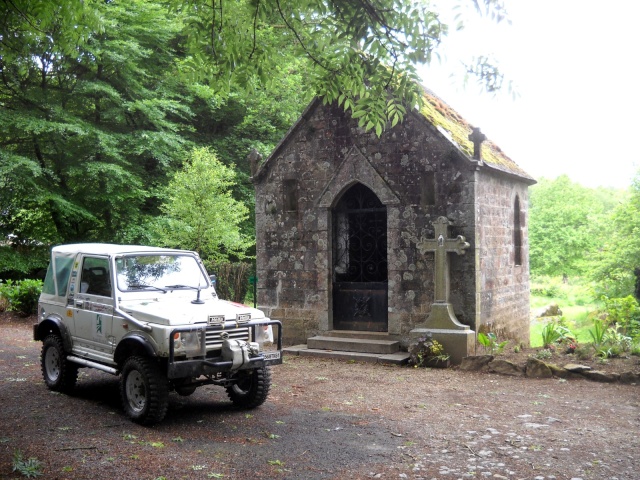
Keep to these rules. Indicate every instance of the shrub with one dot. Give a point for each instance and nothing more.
(625, 313)
(556, 332)
(544, 354)
(232, 279)
(21, 296)
(426, 352)
(490, 343)
(30, 467)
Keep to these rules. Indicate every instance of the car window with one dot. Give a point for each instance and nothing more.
(95, 278)
(148, 272)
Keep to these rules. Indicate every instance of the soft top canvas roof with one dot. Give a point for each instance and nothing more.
(109, 249)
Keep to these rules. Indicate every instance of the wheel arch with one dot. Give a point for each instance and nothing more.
(134, 344)
(53, 324)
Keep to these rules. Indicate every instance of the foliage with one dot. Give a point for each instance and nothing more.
(232, 279)
(362, 54)
(31, 467)
(426, 351)
(609, 342)
(567, 225)
(19, 261)
(556, 333)
(624, 313)
(490, 343)
(21, 296)
(597, 333)
(615, 267)
(90, 119)
(97, 118)
(544, 354)
(200, 212)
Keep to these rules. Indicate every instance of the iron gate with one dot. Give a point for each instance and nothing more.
(360, 262)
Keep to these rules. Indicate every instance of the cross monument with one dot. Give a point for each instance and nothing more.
(442, 323)
(477, 137)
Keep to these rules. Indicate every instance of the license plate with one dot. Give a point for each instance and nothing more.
(216, 319)
(271, 355)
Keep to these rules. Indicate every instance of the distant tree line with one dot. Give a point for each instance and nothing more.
(590, 233)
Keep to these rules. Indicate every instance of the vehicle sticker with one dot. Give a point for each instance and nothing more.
(99, 324)
(98, 307)
(69, 313)
(74, 274)
(72, 287)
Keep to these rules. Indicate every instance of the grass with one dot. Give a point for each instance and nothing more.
(574, 298)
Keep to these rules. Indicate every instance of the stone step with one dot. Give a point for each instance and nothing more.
(398, 358)
(359, 345)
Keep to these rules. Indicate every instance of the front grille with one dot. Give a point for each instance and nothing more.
(214, 341)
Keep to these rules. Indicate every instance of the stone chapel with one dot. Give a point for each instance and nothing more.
(421, 230)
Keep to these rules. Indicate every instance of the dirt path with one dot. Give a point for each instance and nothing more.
(324, 420)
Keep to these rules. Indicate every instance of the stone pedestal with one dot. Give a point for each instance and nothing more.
(457, 343)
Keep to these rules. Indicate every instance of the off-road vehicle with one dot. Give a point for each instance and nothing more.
(152, 316)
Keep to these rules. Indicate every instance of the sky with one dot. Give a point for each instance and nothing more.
(574, 66)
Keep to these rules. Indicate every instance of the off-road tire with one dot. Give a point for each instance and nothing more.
(144, 390)
(60, 375)
(251, 388)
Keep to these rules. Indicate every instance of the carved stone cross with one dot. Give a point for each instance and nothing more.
(477, 138)
(441, 245)
(442, 316)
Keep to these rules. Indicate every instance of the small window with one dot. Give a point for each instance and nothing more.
(428, 189)
(95, 279)
(291, 195)
(517, 232)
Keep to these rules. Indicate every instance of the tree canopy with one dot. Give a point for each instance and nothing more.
(200, 213)
(102, 100)
(616, 264)
(566, 225)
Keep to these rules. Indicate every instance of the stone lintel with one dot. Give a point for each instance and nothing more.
(443, 317)
(457, 343)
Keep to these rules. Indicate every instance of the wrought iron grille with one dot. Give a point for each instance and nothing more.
(360, 237)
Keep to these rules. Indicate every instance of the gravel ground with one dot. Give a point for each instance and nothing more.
(323, 420)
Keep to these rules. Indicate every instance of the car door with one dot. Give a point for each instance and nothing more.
(93, 310)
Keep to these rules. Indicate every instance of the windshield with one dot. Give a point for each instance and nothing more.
(157, 272)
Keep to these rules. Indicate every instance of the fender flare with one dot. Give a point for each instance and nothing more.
(46, 326)
(133, 342)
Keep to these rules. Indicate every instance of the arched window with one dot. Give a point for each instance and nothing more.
(517, 232)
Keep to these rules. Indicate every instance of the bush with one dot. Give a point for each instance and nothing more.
(21, 296)
(232, 279)
(426, 351)
(625, 313)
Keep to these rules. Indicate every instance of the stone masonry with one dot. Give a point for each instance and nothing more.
(419, 174)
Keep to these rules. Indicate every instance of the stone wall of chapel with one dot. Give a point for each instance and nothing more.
(503, 286)
(294, 247)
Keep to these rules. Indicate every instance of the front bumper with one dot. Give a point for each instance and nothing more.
(212, 362)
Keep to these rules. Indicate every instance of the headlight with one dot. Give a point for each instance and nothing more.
(190, 343)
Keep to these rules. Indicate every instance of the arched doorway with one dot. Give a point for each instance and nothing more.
(360, 262)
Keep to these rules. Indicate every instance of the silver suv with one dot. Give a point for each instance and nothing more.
(152, 316)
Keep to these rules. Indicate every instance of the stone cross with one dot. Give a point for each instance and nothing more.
(441, 245)
(477, 138)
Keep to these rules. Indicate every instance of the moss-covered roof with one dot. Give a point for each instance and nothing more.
(457, 129)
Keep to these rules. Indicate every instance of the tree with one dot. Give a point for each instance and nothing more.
(89, 130)
(101, 100)
(616, 264)
(200, 212)
(566, 226)
(362, 53)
